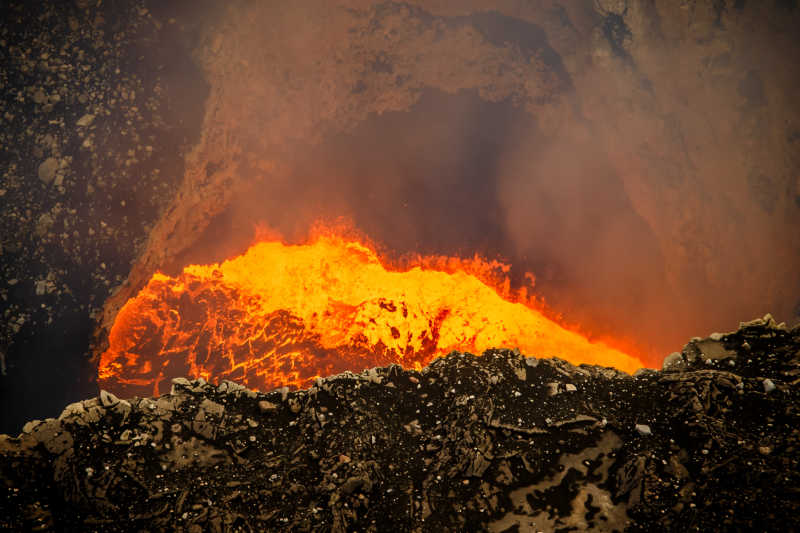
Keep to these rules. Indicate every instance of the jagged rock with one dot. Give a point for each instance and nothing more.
(206, 421)
(180, 383)
(466, 443)
(713, 349)
(673, 361)
(267, 407)
(72, 410)
(30, 426)
(229, 387)
(107, 399)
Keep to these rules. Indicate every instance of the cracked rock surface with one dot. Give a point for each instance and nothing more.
(500, 442)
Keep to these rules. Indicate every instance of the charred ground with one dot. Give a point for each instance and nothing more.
(500, 442)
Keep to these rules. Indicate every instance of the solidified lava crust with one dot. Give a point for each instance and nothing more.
(500, 442)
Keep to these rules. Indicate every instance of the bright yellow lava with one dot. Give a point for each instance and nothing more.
(284, 314)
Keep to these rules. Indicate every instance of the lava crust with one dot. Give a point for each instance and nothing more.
(500, 442)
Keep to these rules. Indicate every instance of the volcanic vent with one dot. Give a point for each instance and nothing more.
(640, 158)
(285, 315)
(441, 275)
(519, 147)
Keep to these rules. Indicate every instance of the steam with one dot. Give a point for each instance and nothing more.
(649, 182)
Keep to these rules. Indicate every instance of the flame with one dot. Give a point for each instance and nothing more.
(283, 315)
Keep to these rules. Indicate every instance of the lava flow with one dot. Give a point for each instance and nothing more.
(283, 315)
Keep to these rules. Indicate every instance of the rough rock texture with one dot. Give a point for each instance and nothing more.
(499, 442)
(692, 103)
(94, 99)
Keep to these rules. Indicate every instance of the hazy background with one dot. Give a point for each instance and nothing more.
(640, 158)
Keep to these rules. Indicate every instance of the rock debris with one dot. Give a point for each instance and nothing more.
(468, 443)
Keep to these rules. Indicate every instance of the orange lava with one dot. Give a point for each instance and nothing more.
(283, 315)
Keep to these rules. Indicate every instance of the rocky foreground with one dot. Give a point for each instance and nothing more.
(500, 442)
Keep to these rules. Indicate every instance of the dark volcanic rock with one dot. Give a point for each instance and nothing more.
(98, 108)
(499, 442)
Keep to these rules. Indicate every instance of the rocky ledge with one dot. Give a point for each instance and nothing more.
(500, 442)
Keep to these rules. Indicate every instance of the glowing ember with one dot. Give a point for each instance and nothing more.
(284, 315)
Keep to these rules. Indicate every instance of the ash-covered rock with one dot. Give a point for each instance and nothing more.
(500, 442)
(98, 108)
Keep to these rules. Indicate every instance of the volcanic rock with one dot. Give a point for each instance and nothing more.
(47, 169)
(60, 68)
(467, 443)
(85, 120)
(267, 407)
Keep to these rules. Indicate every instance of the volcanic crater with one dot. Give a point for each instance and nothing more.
(592, 181)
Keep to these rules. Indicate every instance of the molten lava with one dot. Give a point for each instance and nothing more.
(283, 315)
